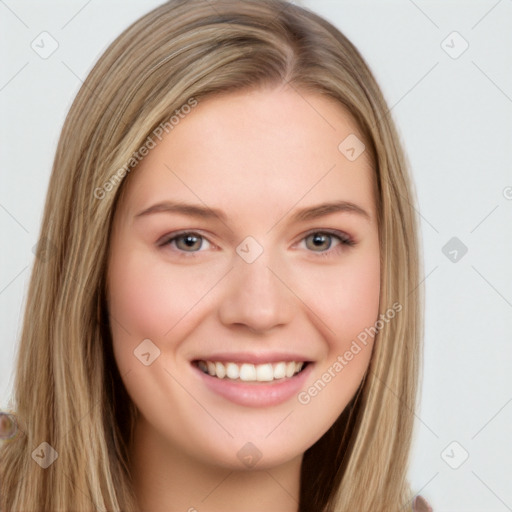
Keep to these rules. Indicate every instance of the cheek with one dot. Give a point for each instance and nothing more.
(138, 299)
(345, 298)
(149, 298)
(358, 296)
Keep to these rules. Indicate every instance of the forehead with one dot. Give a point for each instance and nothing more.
(254, 150)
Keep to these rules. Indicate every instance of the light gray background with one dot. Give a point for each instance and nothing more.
(455, 119)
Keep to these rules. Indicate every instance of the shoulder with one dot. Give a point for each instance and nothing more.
(420, 504)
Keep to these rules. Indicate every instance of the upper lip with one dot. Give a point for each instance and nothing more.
(253, 358)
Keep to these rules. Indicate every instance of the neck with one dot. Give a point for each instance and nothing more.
(167, 479)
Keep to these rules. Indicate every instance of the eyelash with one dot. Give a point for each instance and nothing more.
(345, 242)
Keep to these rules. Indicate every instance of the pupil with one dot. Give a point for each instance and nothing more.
(189, 242)
(321, 241)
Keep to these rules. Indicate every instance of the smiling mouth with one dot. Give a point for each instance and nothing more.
(248, 372)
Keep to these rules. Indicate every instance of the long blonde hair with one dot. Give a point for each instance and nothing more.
(67, 391)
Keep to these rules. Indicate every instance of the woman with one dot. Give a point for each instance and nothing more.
(224, 314)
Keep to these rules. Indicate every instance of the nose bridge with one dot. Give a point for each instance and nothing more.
(257, 280)
(255, 297)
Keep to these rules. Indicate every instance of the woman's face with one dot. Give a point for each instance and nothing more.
(246, 243)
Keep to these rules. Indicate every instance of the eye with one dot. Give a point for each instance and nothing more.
(324, 241)
(187, 242)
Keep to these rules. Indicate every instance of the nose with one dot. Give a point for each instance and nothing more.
(256, 297)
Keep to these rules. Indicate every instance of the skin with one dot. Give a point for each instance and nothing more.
(258, 156)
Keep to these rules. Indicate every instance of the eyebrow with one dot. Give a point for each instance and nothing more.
(301, 215)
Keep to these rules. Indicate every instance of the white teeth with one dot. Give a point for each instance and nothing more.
(247, 372)
(290, 369)
(220, 370)
(280, 370)
(232, 371)
(264, 373)
(211, 368)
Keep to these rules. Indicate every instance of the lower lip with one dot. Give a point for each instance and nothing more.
(257, 394)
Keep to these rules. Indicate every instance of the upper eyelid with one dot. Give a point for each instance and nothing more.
(334, 232)
(171, 236)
